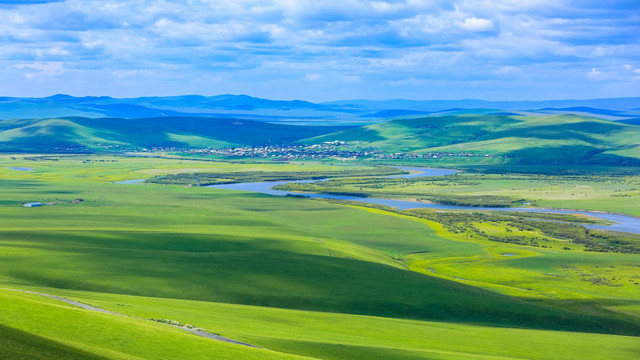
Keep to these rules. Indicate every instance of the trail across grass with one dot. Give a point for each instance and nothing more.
(315, 334)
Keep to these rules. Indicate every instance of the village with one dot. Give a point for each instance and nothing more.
(330, 149)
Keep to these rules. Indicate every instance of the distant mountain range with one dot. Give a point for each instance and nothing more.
(354, 112)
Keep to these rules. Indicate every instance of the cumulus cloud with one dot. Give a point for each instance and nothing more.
(41, 69)
(352, 42)
(635, 72)
(503, 70)
(313, 77)
(596, 75)
(475, 24)
(121, 74)
(53, 51)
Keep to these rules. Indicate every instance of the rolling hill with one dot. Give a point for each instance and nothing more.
(635, 121)
(551, 140)
(77, 134)
(555, 139)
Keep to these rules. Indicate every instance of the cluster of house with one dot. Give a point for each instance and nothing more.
(433, 155)
(291, 152)
(328, 149)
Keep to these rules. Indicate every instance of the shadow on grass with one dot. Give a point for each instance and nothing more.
(17, 344)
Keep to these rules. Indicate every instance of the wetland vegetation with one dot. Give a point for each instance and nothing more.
(617, 190)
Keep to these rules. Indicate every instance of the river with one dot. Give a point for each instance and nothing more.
(622, 223)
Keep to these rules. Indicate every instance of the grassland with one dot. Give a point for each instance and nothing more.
(613, 192)
(298, 277)
(77, 134)
(212, 178)
(515, 140)
(104, 168)
(317, 334)
(540, 140)
(42, 328)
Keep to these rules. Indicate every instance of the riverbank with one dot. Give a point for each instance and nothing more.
(622, 223)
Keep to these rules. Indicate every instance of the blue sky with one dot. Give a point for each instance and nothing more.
(322, 50)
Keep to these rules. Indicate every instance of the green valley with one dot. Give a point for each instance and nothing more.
(326, 180)
(539, 140)
(295, 277)
(461, 140)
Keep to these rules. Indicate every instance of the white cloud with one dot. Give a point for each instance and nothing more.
(503, 70)
(381, 6)
(313, 77)
(51, 52)
(92, 44)
(121, 74)
(351, 42)
(476, 24)
(411, 81)
(635, 72)
(352, 78)
(596, 75)
(41, 69)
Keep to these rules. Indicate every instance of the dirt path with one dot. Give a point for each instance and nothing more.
(195, 331)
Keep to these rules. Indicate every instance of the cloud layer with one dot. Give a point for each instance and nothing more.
(322, 50)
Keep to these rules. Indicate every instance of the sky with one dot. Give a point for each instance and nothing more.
(322, 50)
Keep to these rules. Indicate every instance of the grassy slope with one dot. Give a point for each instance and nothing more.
(18, 344)
(340, 336)
(205, 244)
(559, 139)
(49, 134)
(42, 328)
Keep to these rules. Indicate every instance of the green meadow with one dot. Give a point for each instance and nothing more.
(538, 140)
(614, 191)
(79, 334)
(78, 134)
(566, 140)
(298, 278)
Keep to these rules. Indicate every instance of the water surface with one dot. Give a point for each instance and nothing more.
(622, 223)
(135, 181)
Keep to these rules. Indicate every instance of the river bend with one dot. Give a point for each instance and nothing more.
(623, 223)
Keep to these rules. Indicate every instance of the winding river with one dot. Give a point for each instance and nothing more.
(622, 223)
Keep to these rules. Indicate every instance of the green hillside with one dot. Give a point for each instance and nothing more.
(558, 139)
(297, 277)
(540, 140)
(139, 246)
(76, 134)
